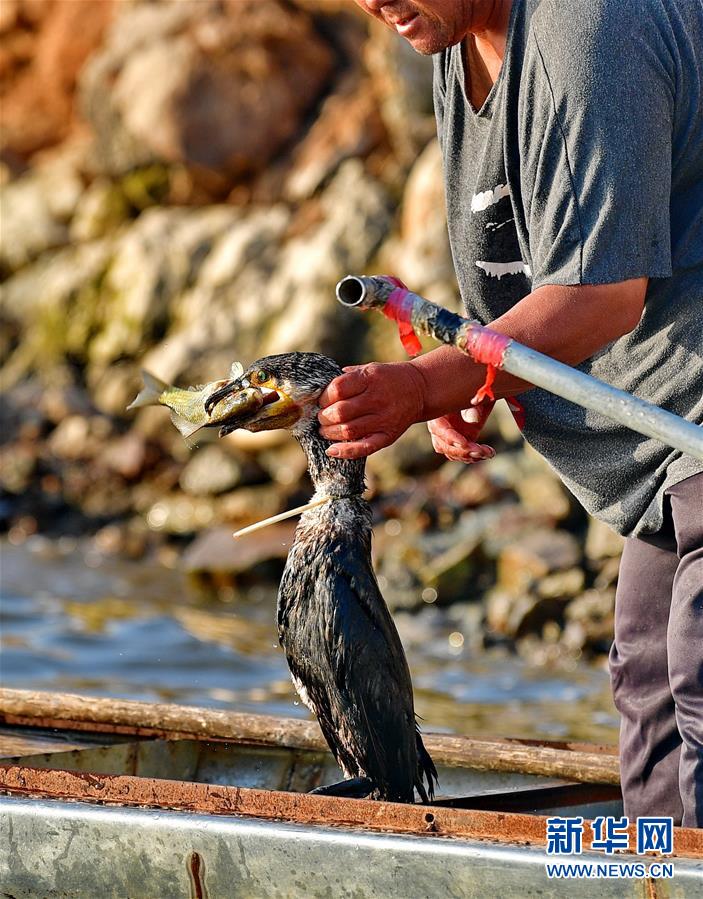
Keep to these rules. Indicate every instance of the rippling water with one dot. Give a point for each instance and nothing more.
(74, 621)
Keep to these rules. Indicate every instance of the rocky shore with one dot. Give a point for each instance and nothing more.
(182, 185)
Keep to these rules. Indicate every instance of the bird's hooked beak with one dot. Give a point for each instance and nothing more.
(278, 409)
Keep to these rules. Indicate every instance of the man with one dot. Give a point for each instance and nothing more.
(573, 156)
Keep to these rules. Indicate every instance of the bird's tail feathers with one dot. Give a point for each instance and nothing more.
(426, 768)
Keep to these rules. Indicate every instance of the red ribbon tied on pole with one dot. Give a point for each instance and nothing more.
(399, 307)
(488, 348)
(483, 345)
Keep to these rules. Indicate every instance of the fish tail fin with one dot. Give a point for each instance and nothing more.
(186, 427)
(150, 393)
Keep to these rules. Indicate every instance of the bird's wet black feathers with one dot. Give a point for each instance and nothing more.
(342, 646)
(340, 641)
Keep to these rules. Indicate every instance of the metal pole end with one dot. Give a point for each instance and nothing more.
(351, 291)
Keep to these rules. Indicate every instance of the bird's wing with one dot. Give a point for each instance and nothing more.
(370, 669)
(303, 631)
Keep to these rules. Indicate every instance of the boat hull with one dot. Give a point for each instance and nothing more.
(112, 798)
(61, 848)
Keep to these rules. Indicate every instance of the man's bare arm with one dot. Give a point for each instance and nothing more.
(370, 406)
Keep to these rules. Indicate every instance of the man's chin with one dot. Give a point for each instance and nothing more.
(427, 44)
(428, 48)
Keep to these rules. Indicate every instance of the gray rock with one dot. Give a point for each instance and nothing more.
(78, 437)
(218, 86)
(543, 493)
(57, 401)
(607, 574)
(154, 262)
(453, 574)
(247, 242)
(126, 456)
(532, 557)
(286, 465)
(502, 423)
(561, 584)
(100, 210)
(411, 454)
(215, 552)
(348, 126)
(55, 302)
(178, 513)
(590, 621)
(517, 616)
(126, 539)
(29, 228)
(136, 28)
(228, 308)
(468, 486)
(397, 561)
(356, 217)
(113, 388)
(403, 80)
(246, 505)
(602, 542)
(420, 253)
(36, 208)
(17, 467)
(210, 471)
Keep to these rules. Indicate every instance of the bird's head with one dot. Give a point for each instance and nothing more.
(290, 384)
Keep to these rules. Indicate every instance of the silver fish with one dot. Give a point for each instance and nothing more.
(188, 405)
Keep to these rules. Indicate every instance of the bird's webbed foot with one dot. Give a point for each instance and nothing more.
(354, 788)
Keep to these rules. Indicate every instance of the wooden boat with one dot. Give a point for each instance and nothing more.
(102, 797)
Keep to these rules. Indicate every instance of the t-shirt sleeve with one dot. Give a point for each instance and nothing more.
(595, 140)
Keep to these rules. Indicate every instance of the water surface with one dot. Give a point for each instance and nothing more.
(73, 620)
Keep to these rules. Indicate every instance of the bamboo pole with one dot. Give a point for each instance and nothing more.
(542, 371)
(578, 762)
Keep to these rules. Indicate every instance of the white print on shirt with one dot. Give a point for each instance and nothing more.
(498, 269)
(489, 197)
(493, 226)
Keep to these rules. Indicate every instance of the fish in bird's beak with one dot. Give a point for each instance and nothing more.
(187, 406)
(278, 408)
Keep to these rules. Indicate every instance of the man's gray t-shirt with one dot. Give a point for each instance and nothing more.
(585, 166)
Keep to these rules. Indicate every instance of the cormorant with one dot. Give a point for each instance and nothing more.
(343, 650)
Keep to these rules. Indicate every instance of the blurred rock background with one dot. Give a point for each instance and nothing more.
(183, 183)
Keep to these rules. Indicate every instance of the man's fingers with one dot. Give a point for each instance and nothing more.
(344, 411)
(459, 429)
(454, 454)
(443, 431)
(358, 449)
(343, 387)
(349, 430)
(468, 452)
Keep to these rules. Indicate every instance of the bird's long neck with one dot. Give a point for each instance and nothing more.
(331, 477)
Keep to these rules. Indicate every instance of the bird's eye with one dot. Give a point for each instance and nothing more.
(262, 376)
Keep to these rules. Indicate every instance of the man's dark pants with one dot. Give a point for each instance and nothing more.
(656, 663)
